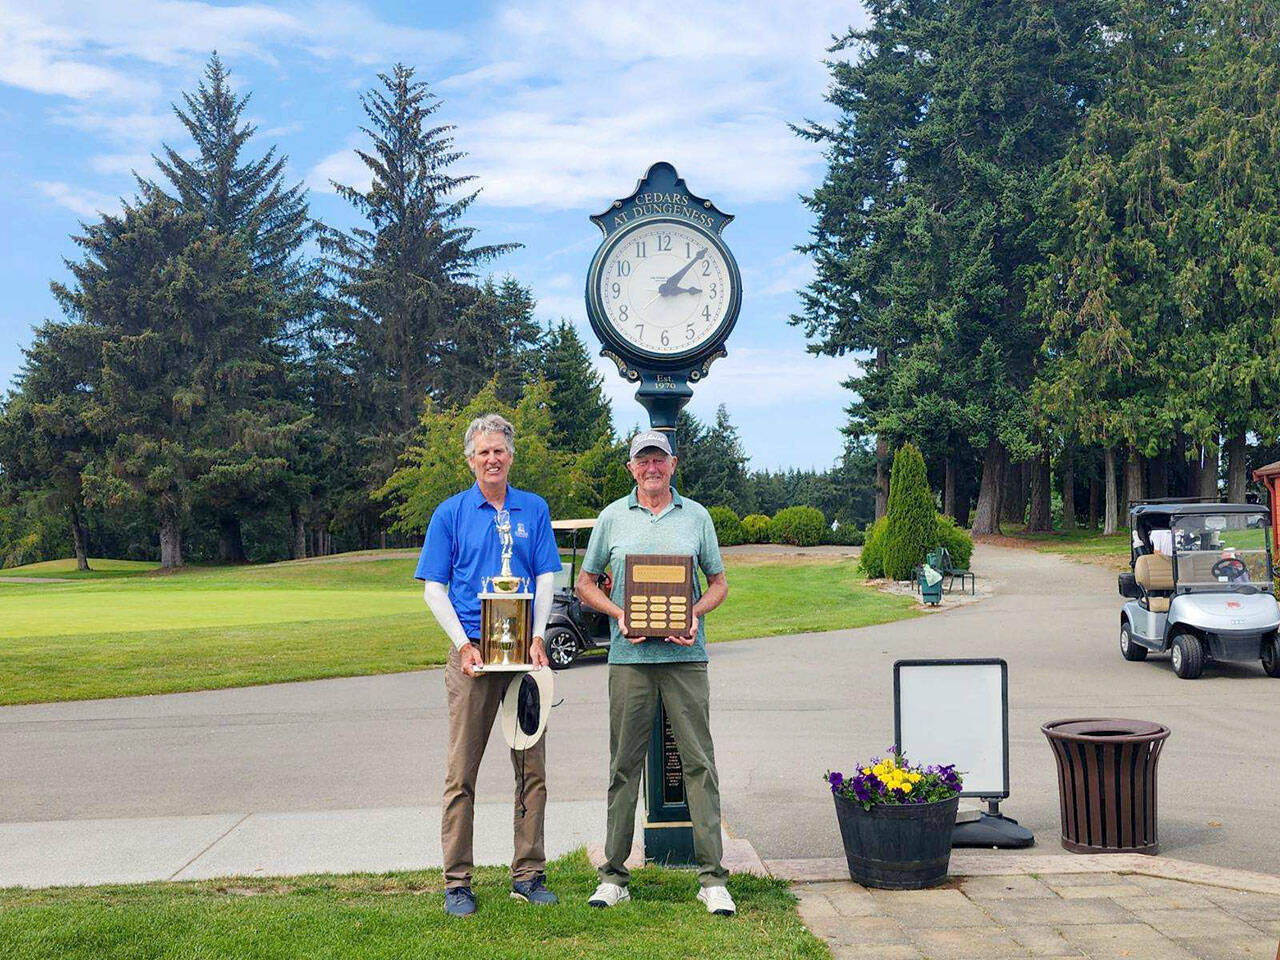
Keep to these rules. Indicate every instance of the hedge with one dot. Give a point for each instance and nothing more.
(756, 527)
(728, 527)
(798, 526)
(913, 523)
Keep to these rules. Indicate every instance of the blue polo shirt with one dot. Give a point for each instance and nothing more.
(462, 547)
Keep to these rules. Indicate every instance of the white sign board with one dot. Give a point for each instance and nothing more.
(954, 712)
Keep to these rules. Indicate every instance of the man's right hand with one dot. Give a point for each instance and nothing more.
(469, 657)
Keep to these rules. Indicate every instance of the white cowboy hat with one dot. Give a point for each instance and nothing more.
(526, 706)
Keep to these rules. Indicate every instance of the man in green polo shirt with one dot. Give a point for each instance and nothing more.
(656, 519)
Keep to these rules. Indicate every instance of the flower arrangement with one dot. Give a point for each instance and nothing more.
(893, 780)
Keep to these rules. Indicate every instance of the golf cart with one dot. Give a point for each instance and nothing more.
(1201, 586)
(573, 628)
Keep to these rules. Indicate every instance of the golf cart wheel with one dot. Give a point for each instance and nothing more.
(562, 648)
(1187, 656)
(1130, 649)
(1271, 656)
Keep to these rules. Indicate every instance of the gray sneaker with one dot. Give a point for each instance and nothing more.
(459, 902)
(534, 890)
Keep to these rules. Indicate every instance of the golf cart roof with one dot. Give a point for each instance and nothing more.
(1152, 510)
(585, 524)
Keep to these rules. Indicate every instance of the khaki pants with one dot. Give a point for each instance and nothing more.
(633, 701)
(473, 705)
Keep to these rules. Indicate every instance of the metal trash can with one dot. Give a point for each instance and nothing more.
(1107, 783)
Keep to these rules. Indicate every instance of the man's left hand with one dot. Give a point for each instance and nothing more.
(538, 654)
(690, 638)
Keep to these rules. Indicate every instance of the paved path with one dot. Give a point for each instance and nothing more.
(1048, 913)
(785, 710)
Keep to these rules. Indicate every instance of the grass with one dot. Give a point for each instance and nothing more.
(66, 569)
(206, 628)
(399, 916)
(1090, 546)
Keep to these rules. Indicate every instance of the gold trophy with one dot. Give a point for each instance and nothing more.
(506, 611)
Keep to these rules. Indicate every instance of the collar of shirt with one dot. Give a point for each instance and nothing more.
(478, 501)
(633, 503)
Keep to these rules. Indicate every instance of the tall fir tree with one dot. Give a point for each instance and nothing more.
(172, 311)
(580, 412)
(237, 195)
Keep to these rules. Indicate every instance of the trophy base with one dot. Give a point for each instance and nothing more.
(504, 668)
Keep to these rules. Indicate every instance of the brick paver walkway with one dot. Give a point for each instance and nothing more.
(1100, 915)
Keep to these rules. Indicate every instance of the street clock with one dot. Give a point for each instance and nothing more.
(663, 290)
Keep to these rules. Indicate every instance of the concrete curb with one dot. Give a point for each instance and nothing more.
(969, 863)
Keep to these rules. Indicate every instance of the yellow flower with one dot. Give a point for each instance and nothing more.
(866, 771)
(906, 787)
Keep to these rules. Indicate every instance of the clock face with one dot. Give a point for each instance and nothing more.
(665, 287)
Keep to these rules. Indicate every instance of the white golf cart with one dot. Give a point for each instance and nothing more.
(1201, 586)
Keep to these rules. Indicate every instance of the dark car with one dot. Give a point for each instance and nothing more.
(574, 628)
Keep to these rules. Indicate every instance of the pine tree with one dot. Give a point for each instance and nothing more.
(580, 412)
(249, 199)
(172, 311)
(406, 278)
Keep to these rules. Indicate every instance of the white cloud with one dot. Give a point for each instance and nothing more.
(85, 203)
(570, 102)
(342, 166)
(782, 276)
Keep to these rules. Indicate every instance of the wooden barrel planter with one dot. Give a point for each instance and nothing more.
(897, 846)
(1107, 783)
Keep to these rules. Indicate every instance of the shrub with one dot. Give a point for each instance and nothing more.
(871, 563)
(845, 535)
(956, 539)
(728, 527)
(913, 523)
(756, 527)
(798, 526)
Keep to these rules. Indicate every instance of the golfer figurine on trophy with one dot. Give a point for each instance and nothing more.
(506, 611)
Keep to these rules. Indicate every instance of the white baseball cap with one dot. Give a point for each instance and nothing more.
(649, 438)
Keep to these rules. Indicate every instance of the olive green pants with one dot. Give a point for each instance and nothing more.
(633, 700)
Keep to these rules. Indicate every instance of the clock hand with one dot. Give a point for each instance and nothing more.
(672, 284)
(686, 289)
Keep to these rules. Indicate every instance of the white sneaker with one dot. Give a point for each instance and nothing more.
(610, 895)
(718, 901)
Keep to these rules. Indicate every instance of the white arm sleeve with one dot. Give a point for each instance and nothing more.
(437, 597)
(543, 590)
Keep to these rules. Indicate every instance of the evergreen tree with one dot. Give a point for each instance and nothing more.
(405, 280)
(46, 440)
(911, 528)
(172, 311)
(249, 199)
(580, 412)
(712, 467)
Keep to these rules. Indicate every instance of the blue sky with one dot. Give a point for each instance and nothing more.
(560, 106)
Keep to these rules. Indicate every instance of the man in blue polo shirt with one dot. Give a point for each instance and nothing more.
(461, 547)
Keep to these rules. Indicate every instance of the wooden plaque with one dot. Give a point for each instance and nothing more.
(658, 594)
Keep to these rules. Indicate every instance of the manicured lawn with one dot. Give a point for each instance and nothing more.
(212, 627)
(66, 569)
(399, 916)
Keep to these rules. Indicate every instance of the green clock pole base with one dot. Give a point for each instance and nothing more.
(669, 844)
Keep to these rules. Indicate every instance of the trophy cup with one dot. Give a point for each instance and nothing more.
(506, 611)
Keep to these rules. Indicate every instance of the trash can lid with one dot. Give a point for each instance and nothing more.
(1105, 729)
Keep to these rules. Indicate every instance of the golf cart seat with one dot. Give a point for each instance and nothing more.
(1154, 574)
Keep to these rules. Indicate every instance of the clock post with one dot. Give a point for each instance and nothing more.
(663, 294)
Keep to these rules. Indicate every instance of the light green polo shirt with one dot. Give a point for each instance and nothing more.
(625, 527)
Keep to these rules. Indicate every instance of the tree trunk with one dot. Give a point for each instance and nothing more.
(80, 540)
(1207, 477)
(1109, 524)
(1041, 516)
(882, 476)
(230, 544)
(986, 515)
(1093, 504)
(1132, 478)
(1067, 472)
(170, 543)
(1017, 479)
(298, 549)
(949, 487)
(1237, 475)
(1158, 476)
